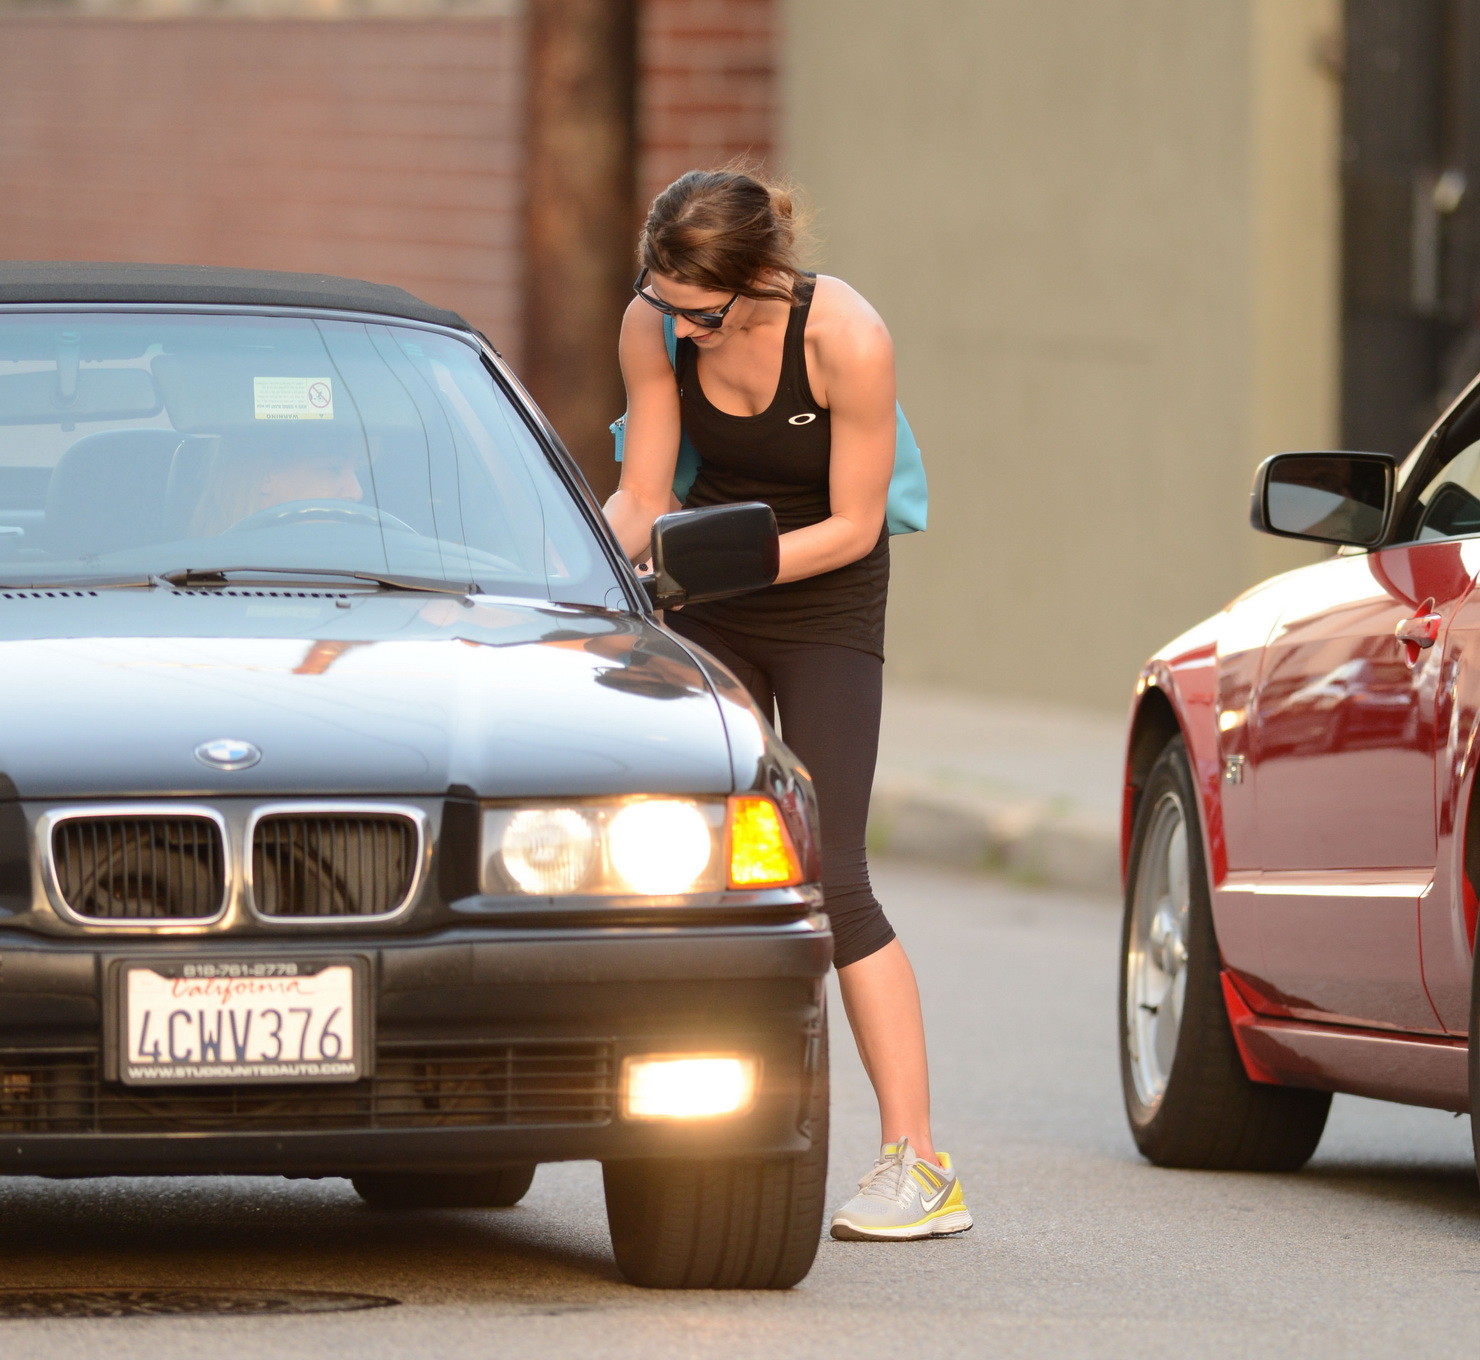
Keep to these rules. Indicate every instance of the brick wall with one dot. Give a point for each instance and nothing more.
(708, 91)
(381, 149)
(387, 149)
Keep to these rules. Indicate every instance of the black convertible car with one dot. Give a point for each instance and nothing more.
(358, 817)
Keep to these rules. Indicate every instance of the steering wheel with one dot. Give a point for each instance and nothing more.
(322, 512)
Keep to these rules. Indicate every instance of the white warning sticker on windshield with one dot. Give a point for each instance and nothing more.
(293, 398)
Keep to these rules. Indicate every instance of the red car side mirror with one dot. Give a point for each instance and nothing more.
(1344, 498)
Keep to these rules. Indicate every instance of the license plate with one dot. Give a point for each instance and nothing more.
(210, 1021)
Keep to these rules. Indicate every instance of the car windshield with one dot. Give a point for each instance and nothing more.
(144, 445)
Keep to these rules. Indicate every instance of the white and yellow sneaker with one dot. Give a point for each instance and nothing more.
(903, 1198)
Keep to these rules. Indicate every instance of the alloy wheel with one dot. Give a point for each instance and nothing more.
(1156, 959)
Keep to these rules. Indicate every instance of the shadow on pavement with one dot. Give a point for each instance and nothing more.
(264, 1231)
(1444, 1196)
(1451, 1190)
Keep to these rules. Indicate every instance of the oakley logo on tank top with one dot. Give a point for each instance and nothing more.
(782, 456)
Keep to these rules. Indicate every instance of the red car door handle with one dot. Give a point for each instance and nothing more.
(1420, 631)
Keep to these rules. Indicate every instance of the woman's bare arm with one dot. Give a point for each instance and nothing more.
(651, 437)
(855, 379)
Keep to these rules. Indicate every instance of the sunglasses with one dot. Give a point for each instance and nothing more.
(711, 321)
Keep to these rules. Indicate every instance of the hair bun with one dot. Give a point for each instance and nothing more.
(729, 230)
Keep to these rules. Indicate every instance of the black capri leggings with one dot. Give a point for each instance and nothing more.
(829, 699)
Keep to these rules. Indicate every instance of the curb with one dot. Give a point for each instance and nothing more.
(1032, 840)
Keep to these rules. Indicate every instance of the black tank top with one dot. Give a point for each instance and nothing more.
(781, 456)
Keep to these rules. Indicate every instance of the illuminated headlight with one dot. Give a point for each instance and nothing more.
(549, 850)
(678, 1086)
(633, 847)
(660, 847)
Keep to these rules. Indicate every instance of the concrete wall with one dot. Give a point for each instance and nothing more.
(1104, 236)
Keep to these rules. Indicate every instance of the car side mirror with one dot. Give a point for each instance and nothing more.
(711, 553)
(1344, 498)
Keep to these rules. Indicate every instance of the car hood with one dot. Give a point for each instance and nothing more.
(109, 693)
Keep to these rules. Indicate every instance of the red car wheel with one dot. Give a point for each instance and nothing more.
(1188, 1098)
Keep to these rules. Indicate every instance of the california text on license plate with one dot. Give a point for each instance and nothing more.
(218, 1021)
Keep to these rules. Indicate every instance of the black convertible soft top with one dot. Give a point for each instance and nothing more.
(64, 281)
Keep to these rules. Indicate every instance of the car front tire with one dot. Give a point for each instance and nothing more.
(722, 1223)
(401, 1190)
(1189, 1101)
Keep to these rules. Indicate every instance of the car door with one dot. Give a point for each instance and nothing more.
(1447, 913)
(1342, 749)
(1449, 507)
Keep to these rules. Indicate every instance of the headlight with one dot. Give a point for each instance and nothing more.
(549, 850)
(660, 847)
(632, 847)
(638, 847)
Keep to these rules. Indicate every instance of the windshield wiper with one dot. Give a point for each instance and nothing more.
(216, 576)
(82, 583)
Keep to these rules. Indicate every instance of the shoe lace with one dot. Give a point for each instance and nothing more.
(886, 1179)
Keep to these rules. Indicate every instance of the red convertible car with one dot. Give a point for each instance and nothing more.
(1302, 821)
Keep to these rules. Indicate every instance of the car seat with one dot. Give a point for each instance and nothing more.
(185, 482)
(107, 492)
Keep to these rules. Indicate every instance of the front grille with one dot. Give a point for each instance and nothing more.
(141, 868)
(333, 864)
(423, 1087)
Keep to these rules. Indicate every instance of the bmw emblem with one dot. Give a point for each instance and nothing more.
(227, 753)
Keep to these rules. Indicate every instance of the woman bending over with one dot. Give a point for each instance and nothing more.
(784, 383)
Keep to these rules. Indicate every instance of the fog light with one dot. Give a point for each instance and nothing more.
(688, 1088)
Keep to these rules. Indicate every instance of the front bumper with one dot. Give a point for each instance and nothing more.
(492, 1045)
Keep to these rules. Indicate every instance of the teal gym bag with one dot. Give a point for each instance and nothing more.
(909, 499)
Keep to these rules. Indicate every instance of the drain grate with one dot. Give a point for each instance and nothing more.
(116, 1303)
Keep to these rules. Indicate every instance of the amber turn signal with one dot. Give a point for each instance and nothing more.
(761, 853)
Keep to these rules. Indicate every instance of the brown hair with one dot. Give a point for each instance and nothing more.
(725, 229)
(235, 469)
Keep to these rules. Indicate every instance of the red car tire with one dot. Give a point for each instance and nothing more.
(1189, 1101)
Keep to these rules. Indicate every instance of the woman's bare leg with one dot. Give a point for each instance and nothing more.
(883, 1005)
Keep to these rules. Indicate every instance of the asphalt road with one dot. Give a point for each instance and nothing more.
(1080, 1249)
